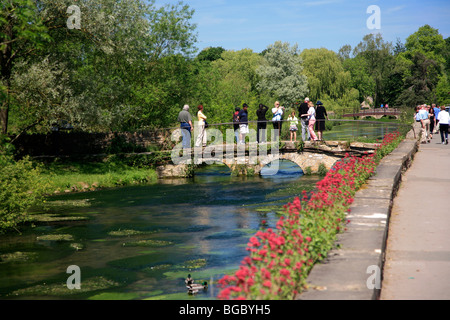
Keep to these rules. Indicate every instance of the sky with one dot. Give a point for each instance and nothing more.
(256, 24)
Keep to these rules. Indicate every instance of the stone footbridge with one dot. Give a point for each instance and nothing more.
(374, 113)
(250, 159)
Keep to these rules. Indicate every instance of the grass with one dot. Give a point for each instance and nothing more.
(90, 176)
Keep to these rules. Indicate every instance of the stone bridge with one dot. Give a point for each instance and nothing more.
(250, 160)
(374, 113)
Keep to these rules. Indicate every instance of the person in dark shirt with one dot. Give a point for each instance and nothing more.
(303, 114)
(243, 122)
(236, 123)
(262, 123)
(321, 114)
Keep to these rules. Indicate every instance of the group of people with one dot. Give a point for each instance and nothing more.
(311, 116)
(432, 119)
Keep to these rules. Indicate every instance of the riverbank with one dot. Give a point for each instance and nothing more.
(353, 271)
(71, 176)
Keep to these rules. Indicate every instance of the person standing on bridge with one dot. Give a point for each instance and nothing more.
(311, 120)
(276, 119)
(201, 138)
(236, 123)
(243, 122)
(321, 114)
(303, 111)
(185, 120)
(262, 123)
(293, 122)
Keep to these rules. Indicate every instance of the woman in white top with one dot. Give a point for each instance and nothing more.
(201, 138)
(277, 118)
(312, 121)
(444, 121)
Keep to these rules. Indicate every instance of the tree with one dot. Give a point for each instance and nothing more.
(427, 41)
(281, 73)
(325, 73)
(104, 63)
(345, 52)
(21, 33)
(425, 60)
(421, 81)
(226, 83)
(210, 54)
(378, 58)
(443, 90)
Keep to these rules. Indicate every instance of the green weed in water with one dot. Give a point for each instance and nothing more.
(18, 256)
(61, 290)
(147, 243)
(56, 237)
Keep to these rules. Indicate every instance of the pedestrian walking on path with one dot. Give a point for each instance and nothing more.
(418, 246)
(424, 118)
(444, 121)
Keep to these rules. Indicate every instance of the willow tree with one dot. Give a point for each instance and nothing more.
(281, 73)
(328, 81)
(326, 75)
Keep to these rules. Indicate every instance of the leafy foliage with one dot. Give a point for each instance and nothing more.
(21, 186)
(281, 73)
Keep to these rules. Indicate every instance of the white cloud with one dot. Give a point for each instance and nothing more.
(395, 9)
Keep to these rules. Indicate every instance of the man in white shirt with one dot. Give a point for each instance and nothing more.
(424, 118)
(444, 121)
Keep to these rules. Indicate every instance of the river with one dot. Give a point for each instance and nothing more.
(141, 242)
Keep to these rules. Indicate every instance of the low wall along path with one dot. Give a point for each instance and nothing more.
(353, 271)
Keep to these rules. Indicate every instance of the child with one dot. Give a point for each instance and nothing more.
(293, 125)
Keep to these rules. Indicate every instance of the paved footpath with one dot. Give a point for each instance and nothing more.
(417, 265)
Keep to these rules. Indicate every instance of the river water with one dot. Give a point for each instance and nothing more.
(141, 242)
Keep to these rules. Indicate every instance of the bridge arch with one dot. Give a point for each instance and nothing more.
(304, 160)
(271, 169)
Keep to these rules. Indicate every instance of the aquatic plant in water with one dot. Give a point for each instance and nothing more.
(147, 243)
(55, 237)
(60, 289)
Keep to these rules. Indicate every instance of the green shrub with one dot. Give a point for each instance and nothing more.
(21, 186)
(322, 170)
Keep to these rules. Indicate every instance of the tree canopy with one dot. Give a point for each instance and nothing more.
(132, 65)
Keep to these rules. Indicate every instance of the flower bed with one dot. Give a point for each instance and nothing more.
(280, 260)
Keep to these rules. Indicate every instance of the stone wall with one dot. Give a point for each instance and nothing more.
(81, 143)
